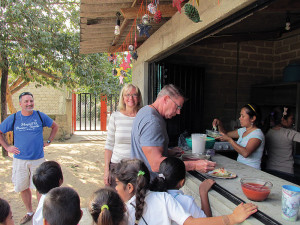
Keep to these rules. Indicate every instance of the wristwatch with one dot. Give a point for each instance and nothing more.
(48, 142)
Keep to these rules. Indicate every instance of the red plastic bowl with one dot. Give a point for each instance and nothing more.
(256, 189)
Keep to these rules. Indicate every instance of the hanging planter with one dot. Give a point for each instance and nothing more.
(192, 13)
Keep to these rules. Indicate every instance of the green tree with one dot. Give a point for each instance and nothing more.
(39, 42)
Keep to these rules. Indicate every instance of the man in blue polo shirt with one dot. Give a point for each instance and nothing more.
(28, 148)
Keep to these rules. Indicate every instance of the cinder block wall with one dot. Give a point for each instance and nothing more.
(232, 68)
(56, 103)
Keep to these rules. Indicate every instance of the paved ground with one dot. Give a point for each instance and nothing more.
(81, 159)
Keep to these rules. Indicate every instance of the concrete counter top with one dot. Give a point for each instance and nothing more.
(221, 205)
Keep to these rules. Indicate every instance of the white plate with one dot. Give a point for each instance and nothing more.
(230, 176)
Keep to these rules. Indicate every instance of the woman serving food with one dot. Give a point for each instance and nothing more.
(251, 140)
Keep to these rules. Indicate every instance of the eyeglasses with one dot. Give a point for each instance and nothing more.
(131, 95)
(178, 106)
(25, 93)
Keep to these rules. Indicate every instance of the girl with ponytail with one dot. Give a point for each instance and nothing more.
(279, 142)
(145, 207)
(107, 208)
(172, 177)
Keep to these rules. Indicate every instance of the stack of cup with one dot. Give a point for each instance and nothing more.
(290, 202)
(198, 143)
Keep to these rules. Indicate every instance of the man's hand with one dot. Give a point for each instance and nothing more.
(204, 165)
(13, 149)
(175, 152)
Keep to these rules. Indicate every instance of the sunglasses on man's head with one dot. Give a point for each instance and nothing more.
(25, 93)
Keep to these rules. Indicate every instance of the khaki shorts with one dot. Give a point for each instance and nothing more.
(22, 173)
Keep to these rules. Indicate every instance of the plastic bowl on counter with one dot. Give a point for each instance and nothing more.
(256, 189)
(209, 143)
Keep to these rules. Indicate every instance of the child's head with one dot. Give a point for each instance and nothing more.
(62, 206)
(106, 207)
(47, 176)
(171, 175)
(6, 217)
(132, 178)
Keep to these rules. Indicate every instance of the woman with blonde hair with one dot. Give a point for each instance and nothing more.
(118, 142)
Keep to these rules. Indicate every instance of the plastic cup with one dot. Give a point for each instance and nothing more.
(198, 143)
(290, 202)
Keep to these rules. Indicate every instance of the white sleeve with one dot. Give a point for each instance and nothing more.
(175, 211)
(110, 140)
(196, 211)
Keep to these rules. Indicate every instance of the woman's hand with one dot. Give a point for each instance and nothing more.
(242, 212)
(107, 181)
(224, 137)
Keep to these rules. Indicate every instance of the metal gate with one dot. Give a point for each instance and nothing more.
(87, 112)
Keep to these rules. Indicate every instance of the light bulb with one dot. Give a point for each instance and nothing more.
(117, 30)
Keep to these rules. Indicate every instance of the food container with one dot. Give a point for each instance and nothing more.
(256, 189)
(213, 133)
(210, 142)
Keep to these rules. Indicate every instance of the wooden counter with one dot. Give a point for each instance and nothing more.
(221, 205)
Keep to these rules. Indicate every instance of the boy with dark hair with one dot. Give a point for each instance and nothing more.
(61, 207)
(46, 177)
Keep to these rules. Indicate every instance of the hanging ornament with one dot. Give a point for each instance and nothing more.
(177, 3)
(121, 79)
(112, 58)
(129, 57)
(157, 16)
(125, 65)
(114, 72)
(152, 8)
(130, 48)
(192, 13)
(146, 19)
(123, 73)
(134, 55)
(144, 29)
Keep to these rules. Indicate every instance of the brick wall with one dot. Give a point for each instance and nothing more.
(232, 68)
(56, 103)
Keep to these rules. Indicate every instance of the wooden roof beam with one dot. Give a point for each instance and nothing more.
(131, 13)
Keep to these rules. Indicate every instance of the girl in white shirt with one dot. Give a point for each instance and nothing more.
(172, 177)
(157, 208)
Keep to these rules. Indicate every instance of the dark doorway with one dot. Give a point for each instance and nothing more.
(191, 80)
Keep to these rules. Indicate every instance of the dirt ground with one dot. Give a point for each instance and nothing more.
(82, 162)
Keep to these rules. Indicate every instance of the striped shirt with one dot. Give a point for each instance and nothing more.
(119, 136)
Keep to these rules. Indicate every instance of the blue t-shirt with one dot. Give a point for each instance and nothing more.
(254, 159)
(148, 129)
(28, 133)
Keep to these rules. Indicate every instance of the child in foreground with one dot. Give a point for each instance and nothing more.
(172, 177)
(47, 176)
(6, 217)
(62, 207)
(107, 208)
(147, 207)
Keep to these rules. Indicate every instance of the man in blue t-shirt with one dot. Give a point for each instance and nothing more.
(149, 137)
(28, 148)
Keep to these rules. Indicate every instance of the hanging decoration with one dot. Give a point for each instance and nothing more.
(118, 23)
(121, 79)
(192, 13)
(130, 48)
(125, 65)
(157, 16)
(152, 8)
(177, 4)
(144, 29)
(134, 55)
(146, 19)
(197, 2)
(112, 58)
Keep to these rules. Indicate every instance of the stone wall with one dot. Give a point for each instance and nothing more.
(56, 103)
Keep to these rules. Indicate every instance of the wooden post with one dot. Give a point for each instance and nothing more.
(103, 113)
